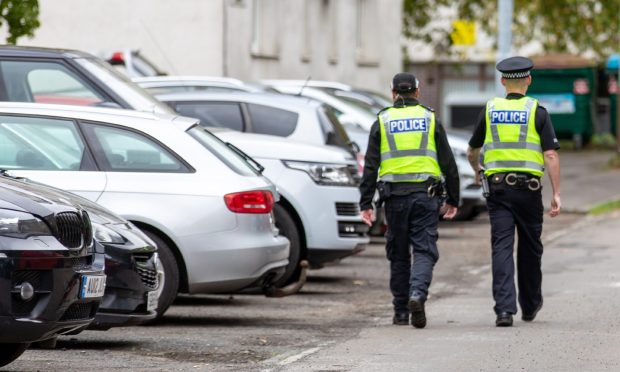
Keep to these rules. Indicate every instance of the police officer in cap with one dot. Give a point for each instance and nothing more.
(408, 151)
(518, 143)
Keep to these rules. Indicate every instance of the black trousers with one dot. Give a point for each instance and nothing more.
(523, 210)
(412, 221)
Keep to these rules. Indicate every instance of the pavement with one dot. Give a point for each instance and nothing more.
(577, 329)
(585, 181)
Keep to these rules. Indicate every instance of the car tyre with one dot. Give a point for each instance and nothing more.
(288, 228)
(10, 352)
(171, 275)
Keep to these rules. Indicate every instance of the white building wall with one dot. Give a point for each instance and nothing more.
(351, 41)
(179, 36)
(317, 39)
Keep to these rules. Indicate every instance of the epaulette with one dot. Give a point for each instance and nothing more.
(428, 108)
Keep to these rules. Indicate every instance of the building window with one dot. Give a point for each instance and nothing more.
(265, 35)
(367, 35)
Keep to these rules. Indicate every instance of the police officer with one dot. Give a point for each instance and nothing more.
(409, 151)
(518, 143)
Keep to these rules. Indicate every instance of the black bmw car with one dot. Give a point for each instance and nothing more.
(51, 270)
(131, 262)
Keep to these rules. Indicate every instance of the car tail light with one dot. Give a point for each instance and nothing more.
(250, 201)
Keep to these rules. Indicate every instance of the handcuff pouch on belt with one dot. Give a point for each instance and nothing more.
(517, 181)
(435, 187)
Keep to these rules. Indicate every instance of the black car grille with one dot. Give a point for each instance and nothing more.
(70, 229)
(79, 311)
(347, 209)
(148, 275)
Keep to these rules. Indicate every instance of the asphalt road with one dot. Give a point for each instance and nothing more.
(254, 333)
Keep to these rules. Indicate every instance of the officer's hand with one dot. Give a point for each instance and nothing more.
(368, 216)
(478, 180)
(556, 205)
(450, 211)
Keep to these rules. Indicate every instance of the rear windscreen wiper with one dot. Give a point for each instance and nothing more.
(246, 157)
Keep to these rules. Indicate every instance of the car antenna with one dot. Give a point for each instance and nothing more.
(304, 86)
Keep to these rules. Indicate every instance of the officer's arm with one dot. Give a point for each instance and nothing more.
(473, 155)
(371, 168)
(447, 164)
(552, 163)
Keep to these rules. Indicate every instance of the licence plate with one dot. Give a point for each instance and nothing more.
(92, 286)
(152, 299)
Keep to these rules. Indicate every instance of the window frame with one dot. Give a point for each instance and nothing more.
(102, 161)
(88, 164)
(84, 78)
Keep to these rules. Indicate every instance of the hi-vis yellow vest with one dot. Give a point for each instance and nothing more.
(408, 150)
(512, 143)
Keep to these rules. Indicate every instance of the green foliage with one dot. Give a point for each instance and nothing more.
(605, 208)
(604, 141)
(21, 17)
(560, 25)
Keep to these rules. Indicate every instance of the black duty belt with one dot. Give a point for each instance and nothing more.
(517, 180)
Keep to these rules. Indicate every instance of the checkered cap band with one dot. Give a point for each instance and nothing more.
(515, 75)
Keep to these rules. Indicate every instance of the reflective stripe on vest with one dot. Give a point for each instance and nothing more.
(512, 143)
(408, 150)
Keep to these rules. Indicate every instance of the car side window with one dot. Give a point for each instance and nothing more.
(46, 82)
(41, 144)
(213, 114)
(273, 121)
(121, 150)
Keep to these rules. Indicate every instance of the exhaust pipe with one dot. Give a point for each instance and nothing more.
(272, 291)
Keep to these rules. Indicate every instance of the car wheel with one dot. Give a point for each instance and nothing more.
(288, 228)
(170, 285)
(10, 352)
(48, 344)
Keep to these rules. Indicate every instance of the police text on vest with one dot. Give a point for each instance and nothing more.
(508, 117)
(408, 125)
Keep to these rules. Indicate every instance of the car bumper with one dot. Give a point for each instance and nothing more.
(132, 275)
(341, 232)
(231, 261)
(56, 307)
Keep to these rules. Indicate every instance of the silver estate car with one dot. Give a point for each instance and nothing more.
(206, 208)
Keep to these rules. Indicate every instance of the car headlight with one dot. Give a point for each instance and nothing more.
(325, 173)
(104, 234)
(134, 229)
(21, 225)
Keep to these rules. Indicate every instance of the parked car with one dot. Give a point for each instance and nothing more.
(59, 76)
(204, 206)
(51, 271)
(316, 183)
(351, 115)
(363, 98)
(132, 63)
(176, 84)
(131, 264)
(299, 119)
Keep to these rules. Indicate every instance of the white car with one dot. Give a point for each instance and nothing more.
(298, 119)
(318, 209)
(175, 84)
(206, 208)
(349, 114)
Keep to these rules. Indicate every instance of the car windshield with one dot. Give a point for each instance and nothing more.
(138, 98)
(219, 148)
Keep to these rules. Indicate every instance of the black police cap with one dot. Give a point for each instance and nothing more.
(515, 67)
(404, 82)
